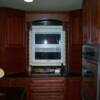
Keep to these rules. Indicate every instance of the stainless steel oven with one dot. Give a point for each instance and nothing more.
(91, 52)
(91, 72)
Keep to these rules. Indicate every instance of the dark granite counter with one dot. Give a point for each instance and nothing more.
(30, 75)
(12, 93)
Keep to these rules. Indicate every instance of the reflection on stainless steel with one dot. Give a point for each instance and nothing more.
(91, 72)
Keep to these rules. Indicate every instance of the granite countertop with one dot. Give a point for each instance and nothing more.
(26, 74)
(12, 93)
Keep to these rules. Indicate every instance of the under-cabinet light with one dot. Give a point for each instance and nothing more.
(28, 0)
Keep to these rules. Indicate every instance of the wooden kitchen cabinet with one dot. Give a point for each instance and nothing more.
(73, 88)
(13, 42)
(15, 28)
(75, 42)
(89, 88)
(48, 88)
(89, 21)
(90, 34)
(5, 83)
(98, 14)
(75, 58)
(76, 33)
(23, 82)
(12, 24)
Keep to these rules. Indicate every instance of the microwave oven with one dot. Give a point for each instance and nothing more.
(90, 52)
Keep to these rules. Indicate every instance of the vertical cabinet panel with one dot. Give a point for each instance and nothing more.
(2, 35)
(73, 88)
(25, 83)
(13, 41)
(98, 14)
(15, 29)
(91, 21)
(75, 61)
(75, 41)
(76, 27)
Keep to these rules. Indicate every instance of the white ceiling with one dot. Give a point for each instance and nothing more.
(43, 5)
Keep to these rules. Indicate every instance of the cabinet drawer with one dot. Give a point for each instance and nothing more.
(47, 96)
(48, 79)
(47, 90)
(48, 83)
(48, 86)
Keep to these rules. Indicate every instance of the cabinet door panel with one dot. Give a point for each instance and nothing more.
(76, 27)
(98, 14)
(5, 83)
(13, 47)
(73, 89)
(25, 83)
(89, 21)
(15, 30)
(15, 59)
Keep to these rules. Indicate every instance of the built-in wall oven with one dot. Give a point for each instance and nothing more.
(90, 72)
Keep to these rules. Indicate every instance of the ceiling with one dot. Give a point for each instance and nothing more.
(43, 5)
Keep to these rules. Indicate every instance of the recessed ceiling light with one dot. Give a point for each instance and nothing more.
(28, 0)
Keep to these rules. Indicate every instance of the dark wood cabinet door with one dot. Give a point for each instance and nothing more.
(98, 13)
(2, 37)
(15, 33)
(24, 83)
(13, 43)
(75, 41)
(76, 33)
(89, 21)
(73, 88)
(75, 58)
(5, 83)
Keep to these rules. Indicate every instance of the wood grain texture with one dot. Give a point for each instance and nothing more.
(98, 13)
(89, 21)
(76, 33)
(51, 88)
(63, 16)
(75, 42)
(13, 43)
(73, 88)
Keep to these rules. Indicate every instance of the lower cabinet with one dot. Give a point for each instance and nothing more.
(5, 83)
(25, 83)
(52, 88)
(47, 88)
(73, 88)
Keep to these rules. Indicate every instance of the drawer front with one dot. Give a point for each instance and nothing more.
(48, 79)
(48, 88)
(48, 83)
(47, 96)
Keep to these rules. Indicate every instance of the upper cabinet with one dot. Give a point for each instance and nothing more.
(75, 41)
(98, 13)
(12, 40)
(76, 27)
(91, 21)
(14, 28)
